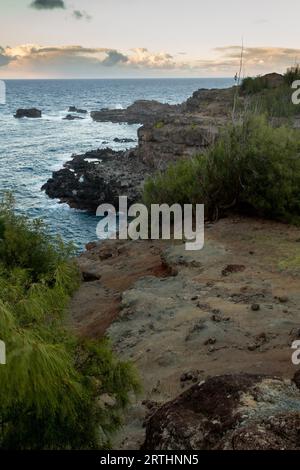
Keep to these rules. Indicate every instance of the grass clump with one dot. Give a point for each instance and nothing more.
(270, 96)
(252, 85)
(52, 386)
(253, 168)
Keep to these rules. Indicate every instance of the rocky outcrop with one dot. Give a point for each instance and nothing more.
(97, 177)
(273, 80)
(213, 103)
(169, 132)
(231, 412)
(73, 109)
(32, 113)
(170, 139)
(140, 112)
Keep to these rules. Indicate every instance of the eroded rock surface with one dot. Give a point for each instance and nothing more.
(230, 412)
(180, 320)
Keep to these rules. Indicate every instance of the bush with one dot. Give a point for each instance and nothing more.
(251, 85)
(260, 97)
(51, 386)
(253, 168)
(292, 74)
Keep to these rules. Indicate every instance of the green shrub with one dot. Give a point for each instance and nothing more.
(259, 97)
(292, 74)
(275, 102)
(253, 168)
(251, 85)
(51, 386)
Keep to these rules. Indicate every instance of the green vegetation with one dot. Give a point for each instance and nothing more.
(52, 387)
(292, 74)
(262, 96)
(253, 168)
(159, 125)
(254, 85)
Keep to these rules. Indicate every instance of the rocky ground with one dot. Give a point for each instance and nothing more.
(183, 317)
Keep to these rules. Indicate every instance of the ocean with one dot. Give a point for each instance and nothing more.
(31, 149)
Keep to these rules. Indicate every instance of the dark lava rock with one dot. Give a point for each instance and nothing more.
(230, 412)
(97, 177)
(32, 113)
(140, 112)
(73, 109)
(70, 117)
(123, 141)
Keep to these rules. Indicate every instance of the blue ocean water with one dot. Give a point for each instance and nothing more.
(30, 149)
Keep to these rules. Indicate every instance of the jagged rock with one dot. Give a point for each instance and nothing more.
(230, 412)
(32, 113)
(123, 141)
(97, 177)
(140, 112)
(70, 117)
(73, 109)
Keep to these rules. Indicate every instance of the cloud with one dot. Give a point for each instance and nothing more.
(259, 58)
(4, 58)
(81, 15)
(114, 58)
(78, 61)
(47, 4)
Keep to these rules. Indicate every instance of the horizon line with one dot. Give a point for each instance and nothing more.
(119, 78)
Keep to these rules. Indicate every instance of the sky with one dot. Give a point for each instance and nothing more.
(146, 38)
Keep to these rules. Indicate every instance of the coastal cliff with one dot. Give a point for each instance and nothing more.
(168, 133)
(209, 331)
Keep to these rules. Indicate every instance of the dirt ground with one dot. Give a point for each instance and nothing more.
(181, 316)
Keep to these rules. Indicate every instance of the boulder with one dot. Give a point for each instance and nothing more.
(230, 412)
(273, 80)
(71, 117)
(29, 113)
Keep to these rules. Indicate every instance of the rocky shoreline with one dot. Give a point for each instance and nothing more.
(97, 177)
(167, 132)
